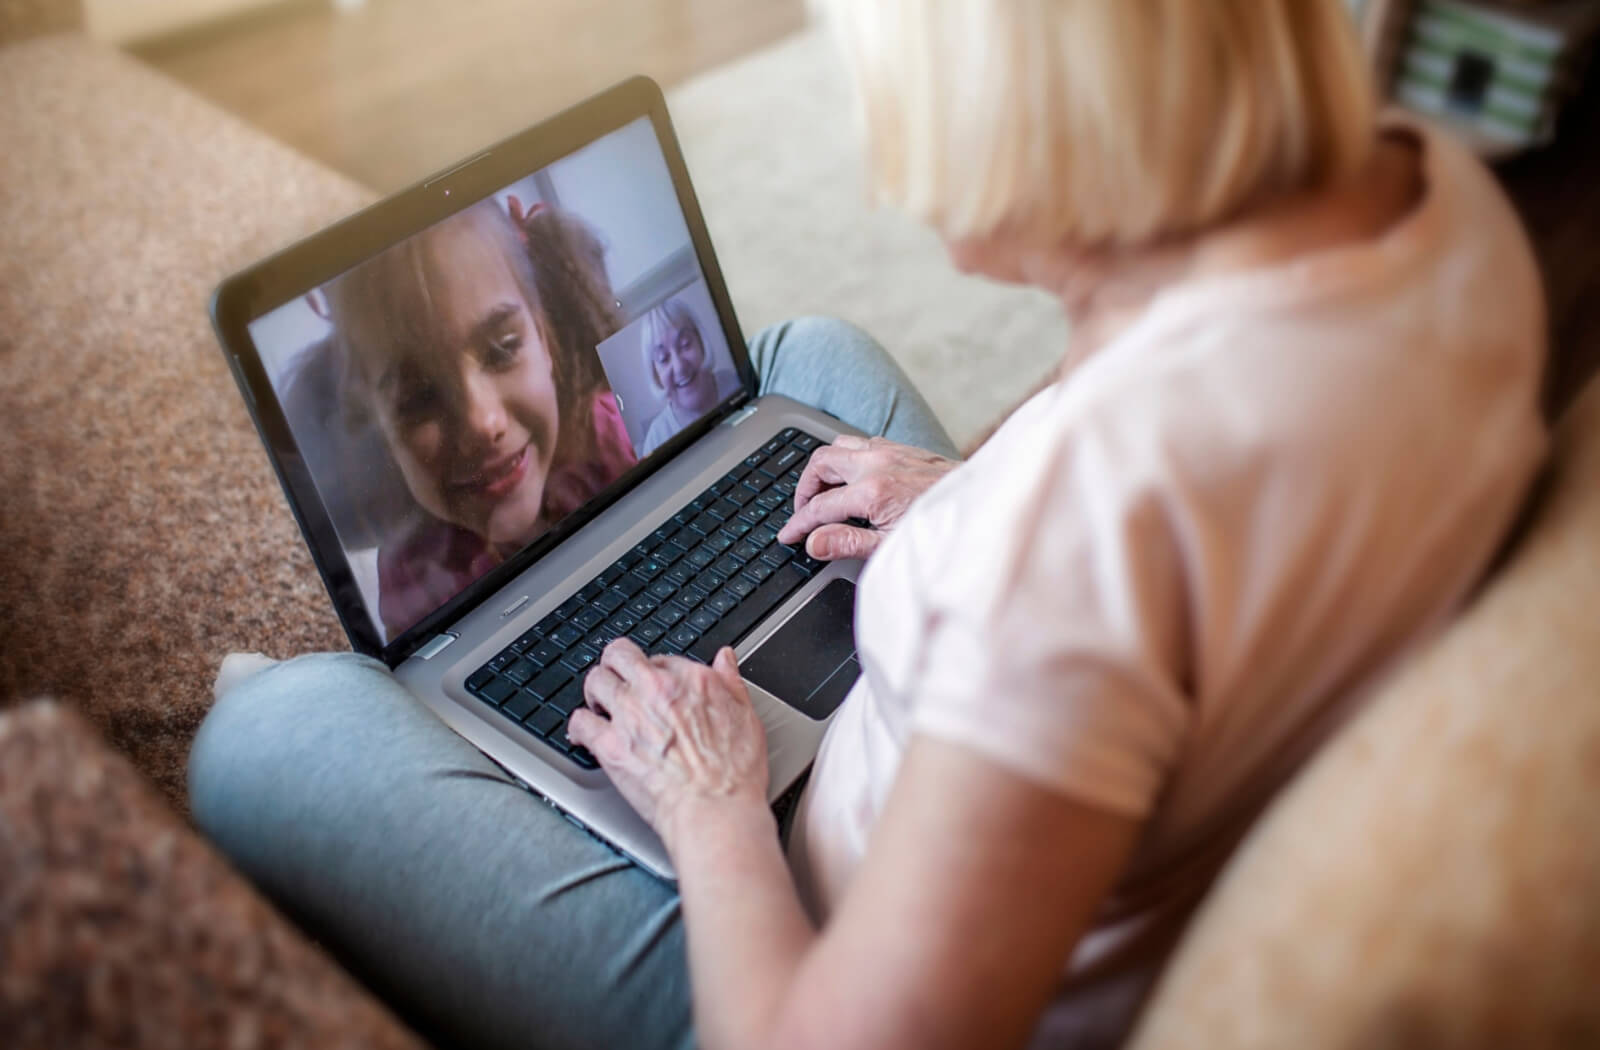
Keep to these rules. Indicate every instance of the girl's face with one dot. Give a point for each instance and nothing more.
(679, 360)
(469, 409)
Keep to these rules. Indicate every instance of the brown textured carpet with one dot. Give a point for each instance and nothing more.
(142, 533)
(120, 929)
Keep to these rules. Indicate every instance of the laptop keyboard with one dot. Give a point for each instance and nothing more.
(699, 582)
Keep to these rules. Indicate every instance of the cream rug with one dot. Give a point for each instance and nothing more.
(775, 155)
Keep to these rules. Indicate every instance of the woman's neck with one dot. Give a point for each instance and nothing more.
(1104, 291)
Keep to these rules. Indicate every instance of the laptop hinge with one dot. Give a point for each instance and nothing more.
(439, 644)
(740, 416)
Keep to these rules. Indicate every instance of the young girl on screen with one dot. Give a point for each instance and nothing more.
(471, 349)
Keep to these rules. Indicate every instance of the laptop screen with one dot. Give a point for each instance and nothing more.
(458, 395)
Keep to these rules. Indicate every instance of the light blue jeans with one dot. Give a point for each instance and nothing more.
(474, 909)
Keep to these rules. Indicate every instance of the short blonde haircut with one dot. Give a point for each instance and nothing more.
(660, 325)
(1103, 122)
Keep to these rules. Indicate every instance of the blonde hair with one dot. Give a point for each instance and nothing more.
(664, 322)
(1103, 122)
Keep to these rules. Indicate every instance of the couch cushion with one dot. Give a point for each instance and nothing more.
(144, 534)
(1432, 879)
(25, 18)
(120, 927)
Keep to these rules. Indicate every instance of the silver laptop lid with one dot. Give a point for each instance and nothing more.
(469, 390)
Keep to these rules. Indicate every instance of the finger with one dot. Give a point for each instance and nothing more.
(585, 728)
(835, 542)
(624, 658)
(827, 467)
(727, 665)
(514, 206)
(600, 689)
(836, 504)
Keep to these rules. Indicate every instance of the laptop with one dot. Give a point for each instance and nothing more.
(513, 413)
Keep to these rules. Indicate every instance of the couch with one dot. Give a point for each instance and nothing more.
(1431, 879)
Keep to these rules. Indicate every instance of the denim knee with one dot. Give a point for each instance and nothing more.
(249, 737)
(826, 343)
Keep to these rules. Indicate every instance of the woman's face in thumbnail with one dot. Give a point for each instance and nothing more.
(679, 360)
(469, 409)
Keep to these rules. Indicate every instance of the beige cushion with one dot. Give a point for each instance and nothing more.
(25, 18)
(1433, 878)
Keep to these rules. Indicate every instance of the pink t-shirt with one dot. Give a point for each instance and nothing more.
(1164, 579)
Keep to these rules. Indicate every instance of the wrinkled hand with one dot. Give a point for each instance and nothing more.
(874, 479)
(671, 732)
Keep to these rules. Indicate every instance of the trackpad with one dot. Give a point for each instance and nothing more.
(810, 664)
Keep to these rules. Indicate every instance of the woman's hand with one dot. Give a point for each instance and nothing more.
(672, 734)
(871, 479)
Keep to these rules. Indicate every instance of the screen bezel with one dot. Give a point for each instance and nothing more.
(291, 273)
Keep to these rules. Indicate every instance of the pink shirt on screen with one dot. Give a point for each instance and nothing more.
(1163, 580)
(436, 560)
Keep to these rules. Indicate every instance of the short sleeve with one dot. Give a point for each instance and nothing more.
(1054, 642)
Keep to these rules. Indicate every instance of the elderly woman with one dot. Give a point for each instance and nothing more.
(1298, 414)
(686, 376)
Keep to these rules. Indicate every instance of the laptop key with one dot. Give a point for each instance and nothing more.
(703, 619)
(543, 655)
(722, 603)
(520, 671)
(566, 635)
(743, 586)
(579, 658)
(630, 585)
(582, 756)
(480, 678)
(589, 618)
(546, 720)
(569, 699)
(758, 570)
(644, 605)
(672, 551)
(648, 633)
(521, 706)
(807, 564)
(498, 691)
(670, 613)
(662, 589)
(683, 637)
(611, 601)
(550, 682)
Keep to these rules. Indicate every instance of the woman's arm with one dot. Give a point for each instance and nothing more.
(975, 888)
